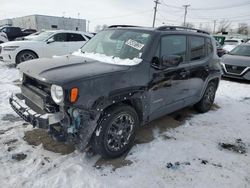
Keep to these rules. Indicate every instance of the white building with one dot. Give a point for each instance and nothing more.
(40, 22)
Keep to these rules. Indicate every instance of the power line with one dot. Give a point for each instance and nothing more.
(224, 7)
(121, 16)
(210, 8)
(198, 17)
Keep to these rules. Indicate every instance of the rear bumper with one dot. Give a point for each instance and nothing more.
(37, 120)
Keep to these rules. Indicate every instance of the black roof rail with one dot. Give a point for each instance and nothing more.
(175, 28)
(114, 26)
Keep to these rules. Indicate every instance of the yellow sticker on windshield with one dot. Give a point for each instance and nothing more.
(134, 44)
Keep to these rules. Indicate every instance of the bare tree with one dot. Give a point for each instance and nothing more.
(100, 27)
(243, 28)
(206, 27)
(189, 25)
(224, 25)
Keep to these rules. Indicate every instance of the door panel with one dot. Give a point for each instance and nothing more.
(171, 85)
(168, 86)
(200, 52)
(58, 47)
(75, 42)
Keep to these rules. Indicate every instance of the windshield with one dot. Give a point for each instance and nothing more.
(42, 36)
(123, 44)
(243, 50)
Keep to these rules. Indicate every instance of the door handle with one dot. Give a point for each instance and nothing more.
(184, 73)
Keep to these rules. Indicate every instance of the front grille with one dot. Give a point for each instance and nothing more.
(38, 93)
(32, 96)
(37, 84)
(234, 69)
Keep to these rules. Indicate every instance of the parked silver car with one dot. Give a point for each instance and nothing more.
(236, 64)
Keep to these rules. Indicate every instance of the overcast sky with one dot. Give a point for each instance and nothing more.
(134, 12)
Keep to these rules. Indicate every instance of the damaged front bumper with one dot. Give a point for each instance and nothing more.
(62, 126)
(37, 120)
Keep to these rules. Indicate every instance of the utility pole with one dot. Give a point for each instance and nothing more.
(155, 10)
(214, 26)
(88, 25)
(185, 15)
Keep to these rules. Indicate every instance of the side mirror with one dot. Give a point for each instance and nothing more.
(51, 40)
(171, 61)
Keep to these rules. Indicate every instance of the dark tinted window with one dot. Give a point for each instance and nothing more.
(88, 37)
(60, 37)
(54, 26)
(210, 48)
(75, 37)
(198, 48)
(174, 45)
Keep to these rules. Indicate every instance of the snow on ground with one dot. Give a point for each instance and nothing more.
(195, 146)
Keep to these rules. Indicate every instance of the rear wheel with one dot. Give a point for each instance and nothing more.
(25, 56)
(115, 133)
(207, 100)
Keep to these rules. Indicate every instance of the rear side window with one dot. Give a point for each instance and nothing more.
(60, 37)
(210, 48)
(197, 48)
(75, 37)
(174, 45)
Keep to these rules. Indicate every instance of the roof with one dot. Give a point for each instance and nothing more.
(161, 29)
(68, 31)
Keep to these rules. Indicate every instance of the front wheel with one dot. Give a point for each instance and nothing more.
(25, 56)
(116, 130)
(207, 100)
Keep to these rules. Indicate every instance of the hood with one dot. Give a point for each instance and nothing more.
(20, 43)
(64, 69)
(229, 47)
(236, 60)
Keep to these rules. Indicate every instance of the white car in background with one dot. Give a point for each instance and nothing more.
(46, 44)
(3, 37)
(230, 44)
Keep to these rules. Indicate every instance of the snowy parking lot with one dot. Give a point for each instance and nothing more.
(184, 149)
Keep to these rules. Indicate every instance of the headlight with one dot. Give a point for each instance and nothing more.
(3, 35)
(10, 48)
(20, 76)
(57, 93)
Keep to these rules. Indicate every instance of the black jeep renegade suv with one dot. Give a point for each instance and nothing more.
(122, 78)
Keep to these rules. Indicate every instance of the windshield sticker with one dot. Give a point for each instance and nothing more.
(145, 35)
(134, 44)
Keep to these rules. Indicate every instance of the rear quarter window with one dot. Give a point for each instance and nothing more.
(210, 47)
(197, 48)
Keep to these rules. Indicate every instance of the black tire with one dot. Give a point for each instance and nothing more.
(110, 133)
(207, 100)
(25, 56)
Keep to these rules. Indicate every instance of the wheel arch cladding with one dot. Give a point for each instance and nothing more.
(137, 99)
(215, 81)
